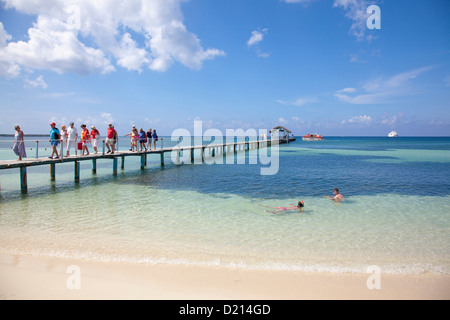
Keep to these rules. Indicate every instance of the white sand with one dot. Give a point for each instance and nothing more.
(23, 277)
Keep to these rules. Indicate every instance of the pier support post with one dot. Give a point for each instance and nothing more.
(77, 171)
(162, 159)
(53, 172)
(115, 166)
(23, 180)
(142, 162)
(94, 166)
(192, 155)
(122, 165)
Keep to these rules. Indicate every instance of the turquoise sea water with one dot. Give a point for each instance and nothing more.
(396, 214)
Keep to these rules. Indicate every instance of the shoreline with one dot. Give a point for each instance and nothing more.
(47, 278)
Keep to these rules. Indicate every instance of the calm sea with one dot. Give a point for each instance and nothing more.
(396, 216)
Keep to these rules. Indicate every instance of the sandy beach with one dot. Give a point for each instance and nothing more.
(30, 278)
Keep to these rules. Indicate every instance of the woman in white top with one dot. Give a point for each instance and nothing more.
(95, 135)
(64, 136)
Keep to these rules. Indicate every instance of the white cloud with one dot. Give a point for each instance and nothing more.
(39, 82)
(257, 37)
(298, 102)
(382, 90)
(347, 90)
(356, 10)
(359, 120)
(4, 36)
(107, 118)
(84, 36)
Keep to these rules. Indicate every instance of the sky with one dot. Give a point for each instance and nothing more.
(314, 66)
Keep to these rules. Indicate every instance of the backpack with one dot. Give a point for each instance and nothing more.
(56, 134)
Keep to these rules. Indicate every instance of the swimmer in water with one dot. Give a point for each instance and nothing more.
(337, 196)
(299, 207)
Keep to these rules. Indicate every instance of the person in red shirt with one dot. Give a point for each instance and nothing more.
(95, 136)
(111, 139)
(85, 139)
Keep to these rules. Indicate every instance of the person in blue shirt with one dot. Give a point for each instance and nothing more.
(54, 140)
(142, 139)
(155, 138)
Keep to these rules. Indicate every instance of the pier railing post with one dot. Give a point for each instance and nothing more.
(37, 149)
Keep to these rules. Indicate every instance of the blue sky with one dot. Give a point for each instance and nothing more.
(310, 65)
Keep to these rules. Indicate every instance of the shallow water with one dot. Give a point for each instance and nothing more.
(396, 215)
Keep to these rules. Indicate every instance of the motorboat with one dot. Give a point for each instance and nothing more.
(313, 137)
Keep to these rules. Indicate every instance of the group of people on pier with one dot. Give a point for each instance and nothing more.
(68, 136)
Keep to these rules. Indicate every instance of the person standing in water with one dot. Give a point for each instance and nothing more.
(338, 197)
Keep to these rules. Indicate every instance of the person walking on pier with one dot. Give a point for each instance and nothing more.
(55, 138)
(111, 139)
(149, 139)
(19, 145)
(64, 136)
(155, 138)
(142, 140)
(95, 135)
(72, 137)
(85, 138)
(134, 139)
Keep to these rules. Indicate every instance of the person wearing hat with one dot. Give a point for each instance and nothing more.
(96, 138)
(72, 137)
(54, 140)
(85, 138)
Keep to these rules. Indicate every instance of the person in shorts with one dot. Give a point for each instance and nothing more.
(85, 139)
(111, 135)
(142, 140)
(54, 140)
(96, 138)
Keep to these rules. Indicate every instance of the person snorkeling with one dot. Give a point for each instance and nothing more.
(298, 207)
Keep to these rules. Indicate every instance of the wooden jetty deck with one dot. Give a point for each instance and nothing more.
(212, 150)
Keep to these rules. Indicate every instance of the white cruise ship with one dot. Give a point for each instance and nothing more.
(393, 134)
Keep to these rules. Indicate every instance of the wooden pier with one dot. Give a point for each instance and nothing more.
(206, 150)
